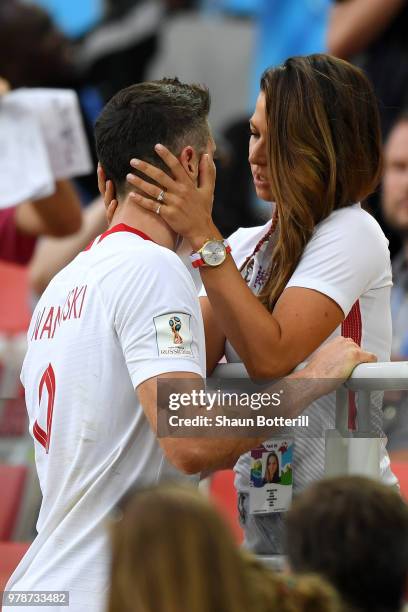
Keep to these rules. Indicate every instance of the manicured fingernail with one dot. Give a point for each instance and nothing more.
(159, 147)
(130, 176)
(133, 194)
(134, 162)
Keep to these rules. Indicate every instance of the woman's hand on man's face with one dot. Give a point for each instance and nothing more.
(186, 207)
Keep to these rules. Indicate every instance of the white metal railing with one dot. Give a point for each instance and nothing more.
(349, 451)
(365, 377)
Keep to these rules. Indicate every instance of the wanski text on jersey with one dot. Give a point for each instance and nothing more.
(51, 317)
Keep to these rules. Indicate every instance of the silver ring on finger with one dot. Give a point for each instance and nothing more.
(160, 197)
(158, 209)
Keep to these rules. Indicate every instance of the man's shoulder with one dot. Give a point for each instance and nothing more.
(144, 267)
(151, 258)
(124, 257)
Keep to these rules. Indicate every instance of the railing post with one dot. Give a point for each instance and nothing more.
(364, 411)
(342, 406)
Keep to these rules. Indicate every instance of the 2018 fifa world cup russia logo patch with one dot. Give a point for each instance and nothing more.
(175, 326)
(173, 334)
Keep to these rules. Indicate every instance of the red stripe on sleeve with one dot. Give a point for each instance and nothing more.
(352, 327)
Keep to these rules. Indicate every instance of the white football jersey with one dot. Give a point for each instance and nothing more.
(346, 259)
(123, 311)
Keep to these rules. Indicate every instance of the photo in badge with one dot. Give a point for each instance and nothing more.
(272, 469)
(272, 465)
(271, 477)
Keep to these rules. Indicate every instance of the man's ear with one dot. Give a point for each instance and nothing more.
(111, 202)
(107, 191)
(101, 180)
(190, 162)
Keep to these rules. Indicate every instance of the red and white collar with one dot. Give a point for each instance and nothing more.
(120, 227)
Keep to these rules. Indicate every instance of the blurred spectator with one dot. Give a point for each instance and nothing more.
(354, 532)
(395, 212)
(74, 17)
(216, 52)
(15, 246)
(52, 255)
(4, 86)
(173, 552)
(373, 35)
(58, 215)
(238, 7)
(46, 59)
(224, 66)
(286, 29)
(118, 51)
(115, 53)
(119, 7)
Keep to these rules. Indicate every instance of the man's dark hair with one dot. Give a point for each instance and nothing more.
(137, 118)
(354, 532)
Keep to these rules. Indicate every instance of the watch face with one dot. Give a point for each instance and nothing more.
(213, 253)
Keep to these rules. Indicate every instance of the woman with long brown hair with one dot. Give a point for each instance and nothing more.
(319, 268)
(172, 552)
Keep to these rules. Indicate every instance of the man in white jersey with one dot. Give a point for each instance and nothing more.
(121, 314)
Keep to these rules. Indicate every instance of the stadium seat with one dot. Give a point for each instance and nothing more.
(15, 301)
(13, 418)
(10, 555)
(12, 480)
(224, 495)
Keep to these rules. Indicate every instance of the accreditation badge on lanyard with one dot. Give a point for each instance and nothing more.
(271, 477)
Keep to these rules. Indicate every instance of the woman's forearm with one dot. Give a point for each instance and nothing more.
(250, 328)
(270, 344)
